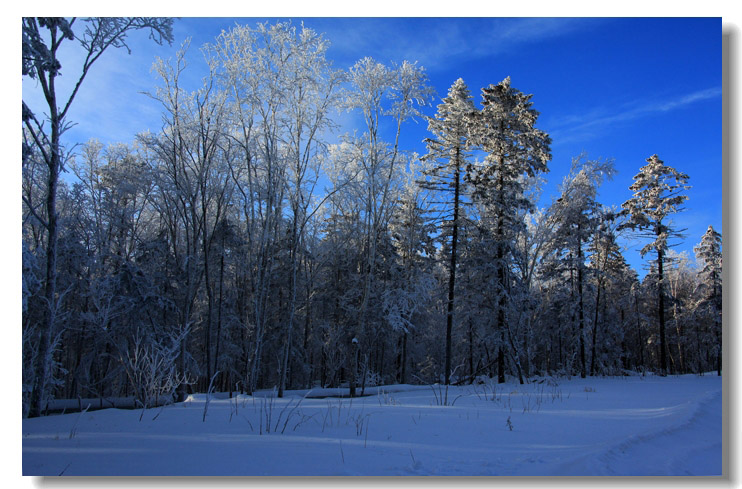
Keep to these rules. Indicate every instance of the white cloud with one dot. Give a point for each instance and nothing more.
(435, 42)
(580, 127)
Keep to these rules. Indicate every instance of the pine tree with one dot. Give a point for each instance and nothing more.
(450, 144)
(708, 252)
(516, 149)
(658, 193)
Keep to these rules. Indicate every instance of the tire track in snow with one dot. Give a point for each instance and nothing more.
(690, 446)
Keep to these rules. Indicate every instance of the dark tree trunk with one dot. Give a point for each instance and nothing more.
(581, 305)
(471, 351)
(501, 359)
(219, 311)
(452, 271)
(661, 311)
(41, 366)
(640, 342)
(403, 379)
(595, 331)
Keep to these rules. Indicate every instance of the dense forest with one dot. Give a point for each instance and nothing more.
(247, 245)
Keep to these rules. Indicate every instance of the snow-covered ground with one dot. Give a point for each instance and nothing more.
(596, 426)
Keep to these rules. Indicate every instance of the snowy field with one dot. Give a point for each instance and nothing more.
(597, 426)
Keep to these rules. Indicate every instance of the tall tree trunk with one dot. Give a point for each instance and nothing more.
(291, 305)
(500, 309)
(595, 330)
(718, 356)
(679, 344)
(581, 305)
(41, 367)
(403, 379)
(452, 271)
(661, 311)
(527, 348)
(471, 351)
(209, 313)
(501, 359)
(219, 312)
(640, 342)
(308, 355)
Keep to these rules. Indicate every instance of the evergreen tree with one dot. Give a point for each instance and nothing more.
(708, 252)
(450, 146)
(515, 149)
(658, 193)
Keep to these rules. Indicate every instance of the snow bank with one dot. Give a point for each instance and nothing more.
(94, 403)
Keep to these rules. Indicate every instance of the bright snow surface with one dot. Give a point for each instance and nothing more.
(597, 426)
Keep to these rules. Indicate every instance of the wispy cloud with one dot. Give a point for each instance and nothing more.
(580, 127)
(689, 99)
(434, 42)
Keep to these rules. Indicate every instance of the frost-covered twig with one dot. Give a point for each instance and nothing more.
(209, 391)
(73, 431)
(288, 416)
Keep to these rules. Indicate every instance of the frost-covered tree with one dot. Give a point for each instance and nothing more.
(658, 194)
(211, 246)
(280, 76)
(113, 196)
(680, 282)
(311, 89)
(449, 149)
(577, 215)
(612, 279)
(378, 91)
(515, 150)
(193, 188)
(411, 279)
(709, 255)
(248, 63)
(41, 41)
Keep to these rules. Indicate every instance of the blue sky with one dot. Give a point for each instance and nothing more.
(622, 88)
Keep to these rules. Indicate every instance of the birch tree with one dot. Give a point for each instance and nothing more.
(257, 170)
(283, 90)
(378, 91)
(192, 188)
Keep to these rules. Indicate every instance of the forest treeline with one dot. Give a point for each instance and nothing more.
(242, 248)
